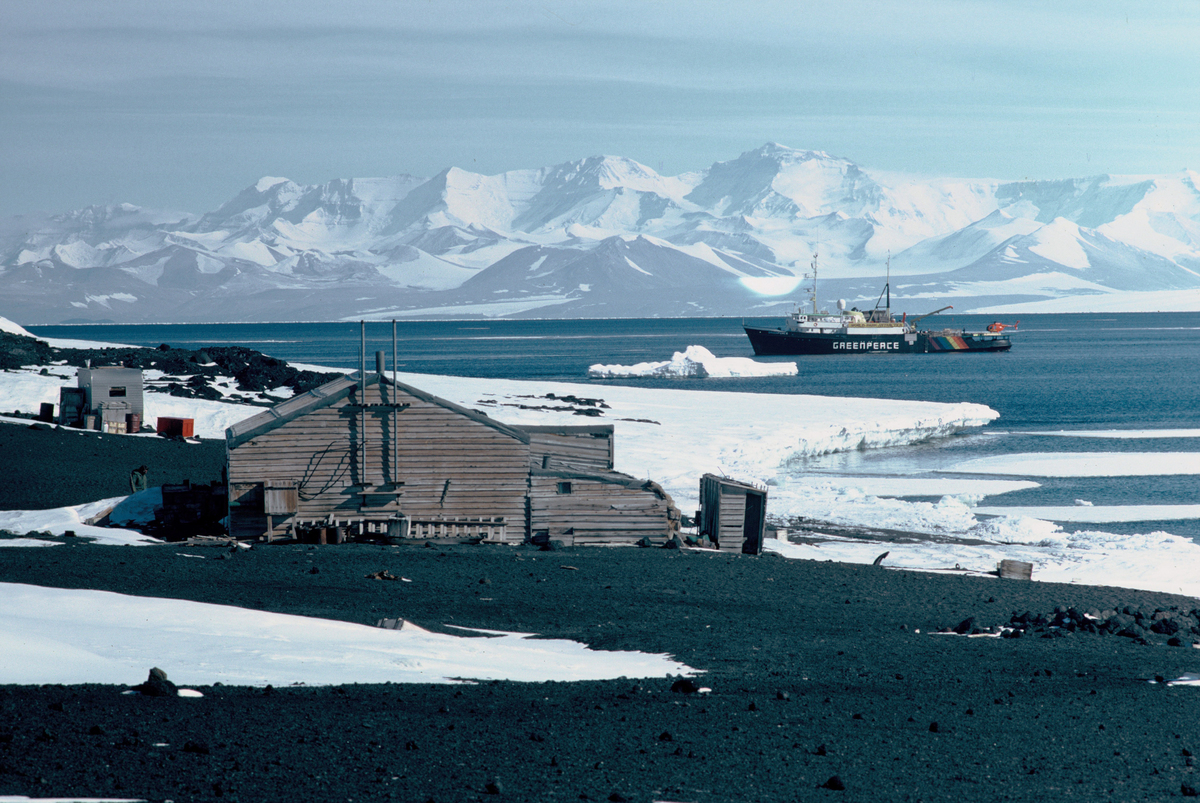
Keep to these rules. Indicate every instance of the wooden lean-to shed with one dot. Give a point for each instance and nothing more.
(374, 456)
(732, 514)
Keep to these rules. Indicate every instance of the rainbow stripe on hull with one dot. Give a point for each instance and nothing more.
(948, 343)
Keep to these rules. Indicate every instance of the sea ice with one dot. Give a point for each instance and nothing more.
(1119, 434)
(1097, 514)
(1082, 464)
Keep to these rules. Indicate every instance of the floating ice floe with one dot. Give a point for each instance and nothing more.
(698, 362)
(1083, 464)
(1119, 434)
(51, 635)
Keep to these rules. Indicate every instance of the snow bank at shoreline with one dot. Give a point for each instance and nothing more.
(675, 436)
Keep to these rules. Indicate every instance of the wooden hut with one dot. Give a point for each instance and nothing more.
(732, 514)
(358, 456)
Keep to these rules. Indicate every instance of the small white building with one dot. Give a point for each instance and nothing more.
(113, 394)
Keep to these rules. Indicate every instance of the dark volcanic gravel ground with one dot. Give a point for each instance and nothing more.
(817, 670)
(48, 467)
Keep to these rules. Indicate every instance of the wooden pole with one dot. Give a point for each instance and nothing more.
(362, 403)
(395, 414)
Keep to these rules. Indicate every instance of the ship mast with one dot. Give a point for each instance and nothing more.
(888, 285)
(812, 291)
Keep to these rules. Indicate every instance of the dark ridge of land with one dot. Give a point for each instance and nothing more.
(189, 372)
(816, 669)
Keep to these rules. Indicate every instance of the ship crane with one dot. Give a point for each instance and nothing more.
(935, 312)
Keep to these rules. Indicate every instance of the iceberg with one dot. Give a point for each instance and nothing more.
(696, 361)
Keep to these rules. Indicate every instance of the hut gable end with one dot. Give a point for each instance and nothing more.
(397, 457)
(396, 451)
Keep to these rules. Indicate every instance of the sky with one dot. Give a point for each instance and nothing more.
(180, 105)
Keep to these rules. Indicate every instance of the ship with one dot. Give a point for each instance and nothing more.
(875, 331)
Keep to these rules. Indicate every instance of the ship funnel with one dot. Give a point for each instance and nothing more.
(842, 304)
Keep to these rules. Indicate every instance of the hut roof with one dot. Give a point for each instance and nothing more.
(736, 484)
(333, 392)
(571, 429)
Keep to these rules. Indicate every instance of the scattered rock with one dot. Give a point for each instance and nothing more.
(382, 574)
(834, 783)
(157, 685)
(685, 686)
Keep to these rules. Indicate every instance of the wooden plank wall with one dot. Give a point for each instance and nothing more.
(710, 506)
(571, 451)
(451, 465)
(596, 511)
(733, 519)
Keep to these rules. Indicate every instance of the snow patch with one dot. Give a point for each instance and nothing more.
(51, 635)
(267, 182)
(14, 329)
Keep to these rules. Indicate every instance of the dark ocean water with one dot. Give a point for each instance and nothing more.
(1065, 372)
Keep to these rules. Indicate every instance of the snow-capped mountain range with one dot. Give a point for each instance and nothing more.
(609, 237)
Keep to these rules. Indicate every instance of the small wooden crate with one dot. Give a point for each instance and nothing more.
(1015, 570)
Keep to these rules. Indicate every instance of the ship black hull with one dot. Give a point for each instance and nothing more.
(768, 342)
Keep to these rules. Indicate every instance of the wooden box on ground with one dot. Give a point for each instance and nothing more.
(72, 407)
(175, 427)
(1015, 570)
(732, 514)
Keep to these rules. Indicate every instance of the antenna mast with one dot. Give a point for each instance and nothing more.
(888, 285)
(812, 291)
